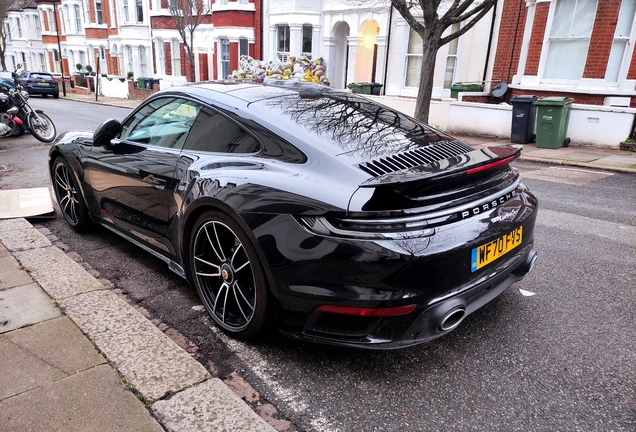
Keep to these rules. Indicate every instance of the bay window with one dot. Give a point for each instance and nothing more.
(621, 39)
(569, 39)
(414, 60)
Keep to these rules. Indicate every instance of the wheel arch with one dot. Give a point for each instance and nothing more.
(196, 209)
(53, 155)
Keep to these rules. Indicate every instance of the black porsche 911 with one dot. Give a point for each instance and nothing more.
(337, 219)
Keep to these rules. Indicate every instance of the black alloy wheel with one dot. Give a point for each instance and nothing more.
(69, 196)
(229, 276)
(41, 127)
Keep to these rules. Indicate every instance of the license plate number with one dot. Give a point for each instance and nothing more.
(43, 84)
(491, 251)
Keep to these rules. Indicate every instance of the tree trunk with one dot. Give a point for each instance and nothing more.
(427, 71)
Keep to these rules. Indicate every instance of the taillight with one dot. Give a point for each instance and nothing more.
(367, 312)
(29, 81)
(490, 165)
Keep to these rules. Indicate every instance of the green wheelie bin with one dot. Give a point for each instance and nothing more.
(361, 88)
(553, 117)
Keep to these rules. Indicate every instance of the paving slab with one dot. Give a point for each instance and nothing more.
(14, 224)
(59, 343)
(23, 239)
(618, 160)
(151, 361)
(11, 274)
(582, 156)
(209, 406)
(4, 252)
(56, 273)
(93, 400)
(13, 379)
(25, 305)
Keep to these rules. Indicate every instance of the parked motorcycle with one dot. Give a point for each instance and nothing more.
(16, 114)
(10, 123)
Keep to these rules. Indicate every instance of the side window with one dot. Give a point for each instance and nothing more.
(214, 132)
(163, 123)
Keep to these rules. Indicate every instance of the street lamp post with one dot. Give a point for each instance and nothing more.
(57, 32)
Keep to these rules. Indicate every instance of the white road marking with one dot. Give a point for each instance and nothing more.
(526, 293)
(585, 226)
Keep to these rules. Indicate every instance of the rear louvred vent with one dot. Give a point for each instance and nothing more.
(412, 158)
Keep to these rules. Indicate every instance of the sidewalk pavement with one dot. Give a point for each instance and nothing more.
(74, 356)
(580, 156)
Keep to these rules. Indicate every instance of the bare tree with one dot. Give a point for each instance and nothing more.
(423, 17)
(187, 15)
(5, 37)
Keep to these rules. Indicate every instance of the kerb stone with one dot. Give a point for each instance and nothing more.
(151, 361)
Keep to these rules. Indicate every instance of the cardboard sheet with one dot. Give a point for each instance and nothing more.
(27, 203)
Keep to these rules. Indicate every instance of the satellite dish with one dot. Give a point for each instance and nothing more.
(499, 90)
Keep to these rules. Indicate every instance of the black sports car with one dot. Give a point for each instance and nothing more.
(339, 219)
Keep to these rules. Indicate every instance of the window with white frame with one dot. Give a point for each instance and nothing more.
(78, 18)
(139, 10)
(569, 39)
(243, 47)
(621, 40)
(87, 18)
(42, 63)
(451, 59)
(18, 25)
(7, 31)
(38, 24)
(56, 60)
(82, 58)
(307, 40)
(283, 42)
(414, 54)
(113, 20)
(225, 57)
(50, 15)
(129, 58)
(176, 57)
(67, 20)
(126, 11)
(99, 18)
(142, 61)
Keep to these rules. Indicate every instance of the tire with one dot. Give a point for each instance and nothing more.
(41, 127)
(69, 196)
(229, 276)
(44, 95)
(56, 95)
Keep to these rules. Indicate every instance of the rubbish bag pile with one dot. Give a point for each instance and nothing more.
(295, 68)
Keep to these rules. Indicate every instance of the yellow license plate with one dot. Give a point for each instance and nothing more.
(43, 84)
(489, 252)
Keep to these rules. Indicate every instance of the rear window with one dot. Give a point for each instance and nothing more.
(350, 124)
(41, 76)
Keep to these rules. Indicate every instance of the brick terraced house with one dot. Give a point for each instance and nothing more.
(122, 36)
(583, 49)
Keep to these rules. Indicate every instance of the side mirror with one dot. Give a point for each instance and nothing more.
(108, 130)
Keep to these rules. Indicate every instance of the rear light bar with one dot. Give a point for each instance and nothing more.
(30, 81)
(490, 165)
(367, 312)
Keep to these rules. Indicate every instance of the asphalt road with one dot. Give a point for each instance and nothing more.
(557, 356)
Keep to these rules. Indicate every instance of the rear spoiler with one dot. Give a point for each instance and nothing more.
(465, 164)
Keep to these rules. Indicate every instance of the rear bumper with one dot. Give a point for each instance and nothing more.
(43, 90)
(425, 323)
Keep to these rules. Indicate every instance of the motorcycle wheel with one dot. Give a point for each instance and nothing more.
(18, 130)
(41, 127)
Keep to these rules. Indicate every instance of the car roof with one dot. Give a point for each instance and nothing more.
(338, 122)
